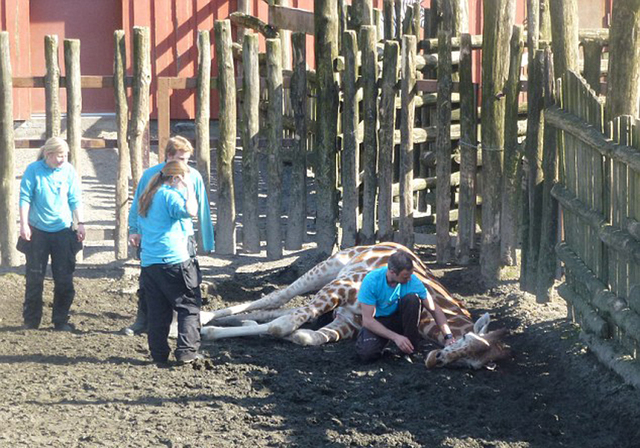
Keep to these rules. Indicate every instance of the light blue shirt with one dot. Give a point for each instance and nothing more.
(204, 211)
(52, 195)
(164, 240)
(376, 291)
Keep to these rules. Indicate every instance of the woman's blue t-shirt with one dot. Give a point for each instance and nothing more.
(376, 291)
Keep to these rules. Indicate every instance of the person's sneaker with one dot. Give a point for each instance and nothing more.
(134, 329)
(196, 357)
(65, 327)
(29, 327)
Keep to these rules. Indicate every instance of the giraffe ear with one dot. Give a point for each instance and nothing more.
(481, 325)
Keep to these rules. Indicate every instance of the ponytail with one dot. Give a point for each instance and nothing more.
(147, 196)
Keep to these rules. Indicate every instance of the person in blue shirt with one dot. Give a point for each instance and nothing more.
(169, 274)
(50, 200)
(391, 300)
(178, 148)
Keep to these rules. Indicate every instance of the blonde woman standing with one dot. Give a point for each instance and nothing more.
(50, 199)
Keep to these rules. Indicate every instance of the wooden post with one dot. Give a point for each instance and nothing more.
(592, 62)
(350, 120)
(499, 16)
(369, 70)
(52, 86)
(140, 102)
(203, 110)
(74, 100)
(386, 133)
(623, 84)
(8, 232)
(398, 21)
(509, 219)
(326, 50)
(297, 222)
(274, 159)
(443, 147)
(164, 116)
(468, 154)
(408, 93)
(124, 165)
(243, 6)
(549, 216)
(250, 137)
(564, 32)
(387, 9)
(226, 150)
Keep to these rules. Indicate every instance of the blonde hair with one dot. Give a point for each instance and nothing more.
(173, 168)
(53, 145)
(178, 143)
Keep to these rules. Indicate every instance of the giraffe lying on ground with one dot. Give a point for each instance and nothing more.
(337, 281)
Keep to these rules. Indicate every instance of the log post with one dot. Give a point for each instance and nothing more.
(52, 86)
(398, 21)
(387, 13)
(564, 32)
(225, 230)
(250, 137)
(468, 154)
(443, 147)
(386, 132)
(297, 222)
(369, 70)
(592, 62)
(509, 220)
(203, 109)
(9, 233)
(140, 102)
(350, 120)
(408, 92)
(74, 100)
(499, 16)
(326, 50)
(124, 165)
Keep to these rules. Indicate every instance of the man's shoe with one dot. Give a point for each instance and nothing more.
(64, 327)
(196, 357)
(29, 327)
(134, 329)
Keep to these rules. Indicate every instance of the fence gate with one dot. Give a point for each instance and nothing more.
(599, 195)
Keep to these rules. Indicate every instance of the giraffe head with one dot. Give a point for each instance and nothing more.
(475, 349)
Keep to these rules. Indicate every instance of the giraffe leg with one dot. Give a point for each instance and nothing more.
(257, 316)
(337, 330)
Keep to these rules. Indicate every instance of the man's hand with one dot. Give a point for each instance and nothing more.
(134, 239)
(403, 344)
(82, 232)
(25, 232)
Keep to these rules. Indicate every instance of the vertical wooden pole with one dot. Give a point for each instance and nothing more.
(387, 14)
(250, 137)
(140, 103)
(274, 159)
(592, 61)
(408, 92)
(443, 147)
(386, 139)
(74, 100)
(164, 116)
(564, 31)
(52, 86)
(326, 50)
(124, 166)
(203, 109)
(8, 232)
(509, 220)
(225, 231)
(297, 222)
(369, 69)
(499, 16)
(398, 21)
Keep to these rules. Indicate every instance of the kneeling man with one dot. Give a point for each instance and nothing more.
(391, 300)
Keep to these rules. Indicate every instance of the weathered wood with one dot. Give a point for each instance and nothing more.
(248, 21)
(499, 16)
(250, 142)
(407, 82)
(468, 154)
(297, 221)
(549, 212)
(124, 165)
(8, 235)
(369, 82)
(274, 162)
(225, 229)
(623, 82)
(385, 137)
(610, 356)
(443, 148)
(387, 9)
(398, 21)
(419, 184)
(285, 34)
(52, 86)
(592, 63)
(140, 103)
(590, 319)
(74, 100)
(564, 31)
(349, 169)
(326, 50)
(203, 114)
(509, 217)
(293, 19)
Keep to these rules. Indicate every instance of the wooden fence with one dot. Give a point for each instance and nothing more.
(598, 193)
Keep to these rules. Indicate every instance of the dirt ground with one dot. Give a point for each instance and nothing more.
(97, 387)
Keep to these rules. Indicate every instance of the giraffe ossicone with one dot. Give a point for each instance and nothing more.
(337, 281)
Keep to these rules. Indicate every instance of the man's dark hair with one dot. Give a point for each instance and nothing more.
(400, 261)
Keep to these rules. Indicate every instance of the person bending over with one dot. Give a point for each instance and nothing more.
(390, 300)
(169, 274)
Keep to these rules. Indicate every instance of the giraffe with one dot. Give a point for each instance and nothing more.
(337, 281)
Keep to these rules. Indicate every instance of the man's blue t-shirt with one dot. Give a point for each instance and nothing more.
(376, 291)
(164, 240)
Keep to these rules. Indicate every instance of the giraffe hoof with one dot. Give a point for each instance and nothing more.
(432, 359)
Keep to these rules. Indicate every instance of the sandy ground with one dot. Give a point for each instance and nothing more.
(96, 387)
